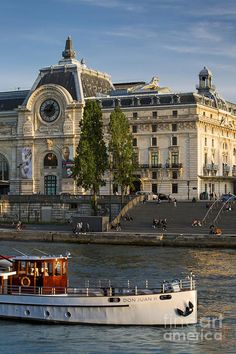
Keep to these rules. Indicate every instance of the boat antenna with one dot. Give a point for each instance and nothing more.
(46, 254)
(23, 254)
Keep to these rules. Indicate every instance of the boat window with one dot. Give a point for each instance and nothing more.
(57, 268)
(64, 268)
(165, 297)
(31, 268)
(23, 266)
(49, 267)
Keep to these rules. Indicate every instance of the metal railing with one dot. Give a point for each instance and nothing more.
(223, 206)
(49, 199)
(103, 288)
(210, 210)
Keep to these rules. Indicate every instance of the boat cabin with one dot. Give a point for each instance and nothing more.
(37, 275)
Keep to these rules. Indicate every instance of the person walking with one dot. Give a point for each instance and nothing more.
(19, 226)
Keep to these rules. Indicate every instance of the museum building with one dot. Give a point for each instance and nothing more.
(185, 143)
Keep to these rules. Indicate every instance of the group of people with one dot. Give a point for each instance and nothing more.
(196, 223)
(128, 217)
(18, 225)
(162, 223)
(116, 227)
(81, 227)
(214, 230)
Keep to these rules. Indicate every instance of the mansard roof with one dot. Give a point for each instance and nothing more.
(12, 99)
(79, 80)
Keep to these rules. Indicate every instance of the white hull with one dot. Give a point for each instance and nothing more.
(149, 309)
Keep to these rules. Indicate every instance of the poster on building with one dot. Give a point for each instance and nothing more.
(67, 162)
(26, 163)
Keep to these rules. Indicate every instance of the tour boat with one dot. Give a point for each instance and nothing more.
(36, 288)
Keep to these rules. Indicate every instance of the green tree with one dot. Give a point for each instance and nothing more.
(123, 162)
(91, 159)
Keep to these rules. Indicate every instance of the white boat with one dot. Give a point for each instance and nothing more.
(36, 288)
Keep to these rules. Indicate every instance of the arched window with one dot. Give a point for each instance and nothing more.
(4, 169)
(50, 185)
(50, 160)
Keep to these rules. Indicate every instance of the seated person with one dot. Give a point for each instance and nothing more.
(218, 231)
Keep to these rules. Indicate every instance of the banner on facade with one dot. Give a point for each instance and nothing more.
(67, 162)
(26, 163)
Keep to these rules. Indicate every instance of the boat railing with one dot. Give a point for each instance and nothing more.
(110, 289)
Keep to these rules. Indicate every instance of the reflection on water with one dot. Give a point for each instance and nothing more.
(215, 273)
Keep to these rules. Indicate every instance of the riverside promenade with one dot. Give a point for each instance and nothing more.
(139, 231)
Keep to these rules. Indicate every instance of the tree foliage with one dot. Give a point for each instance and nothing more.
(121, 149)
(91, 159)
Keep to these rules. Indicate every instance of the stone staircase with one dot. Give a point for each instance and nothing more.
(179, 218)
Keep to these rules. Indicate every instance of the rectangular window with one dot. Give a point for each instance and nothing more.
(50, 185)
(154, 188)
(154, 159)
(136, 158)
(174, 175)
(154, 114)
(205, 141)
(174, 158)
(154, 141)
(154, 175)
(154, 128)
(134, 129)
(135, 142)
(212, 143)
(174, 113)
(135, 115)
(73, 205)
(174, 140)
(174, 188)
(174, 127)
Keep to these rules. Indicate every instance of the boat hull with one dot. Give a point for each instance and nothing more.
(147, 309)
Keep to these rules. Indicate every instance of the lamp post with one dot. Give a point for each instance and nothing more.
(188, 183)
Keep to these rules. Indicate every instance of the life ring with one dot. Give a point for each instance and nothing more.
(25, 281)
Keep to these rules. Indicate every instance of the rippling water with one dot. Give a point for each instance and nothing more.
(215, 272)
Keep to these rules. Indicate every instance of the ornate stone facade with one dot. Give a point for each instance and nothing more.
(185, 143)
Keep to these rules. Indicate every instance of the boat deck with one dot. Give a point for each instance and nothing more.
(109, 290)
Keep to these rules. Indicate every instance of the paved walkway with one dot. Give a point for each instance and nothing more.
(179, 218)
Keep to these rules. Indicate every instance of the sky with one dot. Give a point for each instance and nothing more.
(131, 40)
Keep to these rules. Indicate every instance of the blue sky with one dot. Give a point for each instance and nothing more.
(131, 40)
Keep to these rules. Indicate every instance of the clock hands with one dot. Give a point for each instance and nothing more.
(49, 110)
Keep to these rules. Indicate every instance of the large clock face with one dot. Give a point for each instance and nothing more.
(49, 110)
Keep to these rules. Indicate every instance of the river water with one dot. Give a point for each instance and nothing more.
(215, 272)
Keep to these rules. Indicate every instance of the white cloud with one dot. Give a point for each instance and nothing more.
(207, 32)
(132, 32)
(126, 5)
